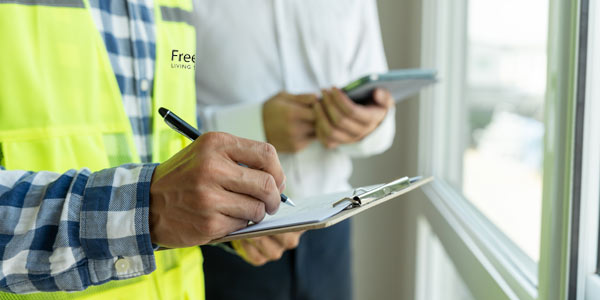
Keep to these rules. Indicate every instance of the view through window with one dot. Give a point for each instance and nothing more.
(504, 90)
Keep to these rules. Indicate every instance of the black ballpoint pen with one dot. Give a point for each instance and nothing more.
(187, 130)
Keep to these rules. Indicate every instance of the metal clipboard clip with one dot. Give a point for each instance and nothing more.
(377, 193)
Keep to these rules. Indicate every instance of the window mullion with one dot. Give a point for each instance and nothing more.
(558, 142)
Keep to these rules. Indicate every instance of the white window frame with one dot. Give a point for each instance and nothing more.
(491, 265)
(588, 279)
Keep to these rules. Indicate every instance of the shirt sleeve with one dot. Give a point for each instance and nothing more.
(244, 120)
(66, 232)
(369, 57)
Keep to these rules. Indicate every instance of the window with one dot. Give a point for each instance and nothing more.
(489, 114)
(504, 97)
(497, 133)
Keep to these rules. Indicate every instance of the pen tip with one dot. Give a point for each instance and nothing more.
(290, 202)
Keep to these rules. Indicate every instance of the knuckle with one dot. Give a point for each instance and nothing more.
(201, 188)
(257, 262)
(209, 167)
(259, 211)
(268, 185)
(214, 138)
(269, 150)
(276, 255)
(292, 242)
(295, 243)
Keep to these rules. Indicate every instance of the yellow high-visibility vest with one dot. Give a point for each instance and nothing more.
(60, 108)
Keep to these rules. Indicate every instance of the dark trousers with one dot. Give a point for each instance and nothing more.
(319, 268)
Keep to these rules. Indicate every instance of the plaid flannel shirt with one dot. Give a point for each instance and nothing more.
(68, 231)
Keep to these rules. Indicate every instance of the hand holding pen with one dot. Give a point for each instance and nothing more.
(192, 133)
(201, 194)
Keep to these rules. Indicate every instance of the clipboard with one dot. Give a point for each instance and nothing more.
(360, 200)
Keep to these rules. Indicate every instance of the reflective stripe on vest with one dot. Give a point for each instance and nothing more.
(60, 108)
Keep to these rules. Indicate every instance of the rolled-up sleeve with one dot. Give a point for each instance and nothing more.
(66, 232)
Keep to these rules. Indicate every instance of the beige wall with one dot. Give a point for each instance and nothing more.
(384, 238)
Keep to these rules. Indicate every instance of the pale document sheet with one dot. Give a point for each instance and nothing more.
(307, 210)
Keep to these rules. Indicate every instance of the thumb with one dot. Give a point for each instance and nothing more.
(382, 97)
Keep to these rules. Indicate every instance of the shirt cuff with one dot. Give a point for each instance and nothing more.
(243, 120)
(115, 230)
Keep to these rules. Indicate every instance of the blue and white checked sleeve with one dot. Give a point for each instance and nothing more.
(65, 232)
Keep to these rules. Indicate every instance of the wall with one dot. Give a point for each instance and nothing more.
(384, 239)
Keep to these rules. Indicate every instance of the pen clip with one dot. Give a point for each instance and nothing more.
(177, 130)
(172, 125)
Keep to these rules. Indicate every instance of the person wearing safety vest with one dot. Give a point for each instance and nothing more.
(84, 202)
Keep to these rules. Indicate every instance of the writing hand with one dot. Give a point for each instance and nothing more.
(201, 193)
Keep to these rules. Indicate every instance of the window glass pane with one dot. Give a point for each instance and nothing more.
(504, 90)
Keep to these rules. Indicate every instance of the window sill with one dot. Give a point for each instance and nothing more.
(592, 287)
(513, 271)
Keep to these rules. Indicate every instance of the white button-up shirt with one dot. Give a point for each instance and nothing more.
(250, 50)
